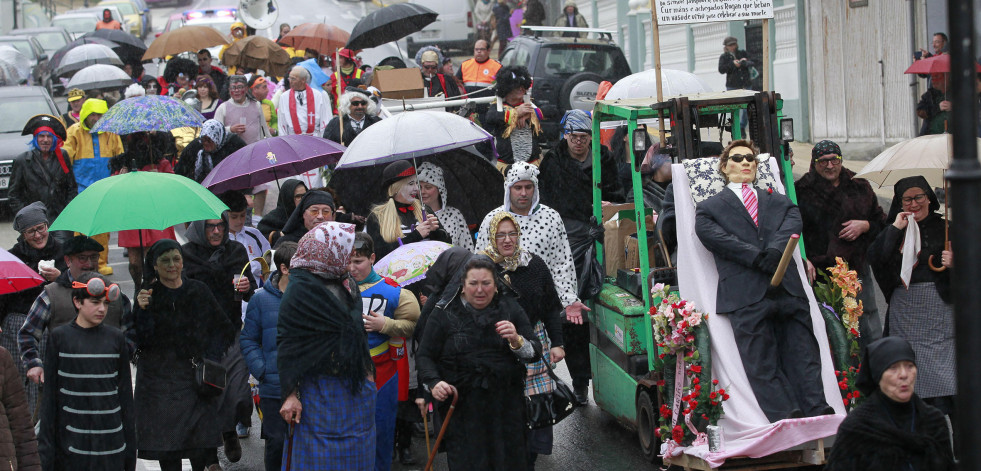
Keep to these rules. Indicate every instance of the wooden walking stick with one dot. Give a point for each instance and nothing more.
(442, 431)
(289, 449)
(788, 252)
(425, 426)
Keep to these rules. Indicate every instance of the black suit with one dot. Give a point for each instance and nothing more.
(333, 129)
(772, 328)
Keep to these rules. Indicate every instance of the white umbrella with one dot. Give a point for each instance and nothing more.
(644, 85)
(85, 55)
(409, 135)
(14, 65)
(925, 155)
(99, 76)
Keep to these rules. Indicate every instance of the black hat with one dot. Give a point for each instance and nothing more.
(396, 171)
(878, 357)
(45, 120)
(79, 244)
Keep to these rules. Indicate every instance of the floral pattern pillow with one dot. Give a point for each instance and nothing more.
(705, 180)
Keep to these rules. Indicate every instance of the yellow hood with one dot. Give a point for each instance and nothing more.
(91, 106)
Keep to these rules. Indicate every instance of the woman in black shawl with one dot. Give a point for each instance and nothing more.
(893, 429)
(290, 193)
(323, 356)
(477, 344)
(175, 320)
(920, 311)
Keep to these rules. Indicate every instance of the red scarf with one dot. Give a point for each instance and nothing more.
(311, 115)
(57, 146)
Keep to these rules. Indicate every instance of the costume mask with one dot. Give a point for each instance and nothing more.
(744, 171)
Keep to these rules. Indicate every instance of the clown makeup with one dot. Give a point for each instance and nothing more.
(409, 192)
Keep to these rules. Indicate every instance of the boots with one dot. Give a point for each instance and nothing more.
(233, 449)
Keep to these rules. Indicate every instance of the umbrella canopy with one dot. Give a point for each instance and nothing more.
(925, 155)
(84, 56)
(14, 65)
(389, 24)
(317, 75)
(183, 39)
(148, 113)
(410, 262)
(934, 65)
(138, 200)
(269, 159)
(409, 135)
(321, 37)
(55, 58)
(130, 48)
(644, 84)
(99, 76)
(257, 52)
(15, 275)
(473, 184)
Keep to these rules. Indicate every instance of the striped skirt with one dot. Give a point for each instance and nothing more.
(336, 429)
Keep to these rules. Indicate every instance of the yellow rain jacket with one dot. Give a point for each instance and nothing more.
(91, 152)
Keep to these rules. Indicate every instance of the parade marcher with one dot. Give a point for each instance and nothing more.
(258, 341)
(434, 83)
(389, 313)
(218, 76)
(515, 123)
(98, 431)
(271, 225)
(478, 73)
(746, 229)
(254, 242)
(571, 18)
(76, 97)
(17, 433)
(315, 207)
(150, 85)
(450, 74)
(462, 353)
(90, 153)
(502, 25)
(841, 216)
(325, 369)
(107, 21)
(920, 302)
(213, 259)
(893, 428)
(483, 15)
(200, 156)
(528, 275)
(432, 193)
(284, 29)
(237, 32)
(43, 173)
(357, 111)
(302, 108)
(402, 218)
(53, 307)
(242, 114)
(177, 321)
(346, 71)
(208, 94)
(259, 86)
(934, 106)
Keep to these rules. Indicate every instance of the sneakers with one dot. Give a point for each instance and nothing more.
(242, 430)
(105, 271)
(233, 449)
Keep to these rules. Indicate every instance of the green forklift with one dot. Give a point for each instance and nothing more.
(625, 364)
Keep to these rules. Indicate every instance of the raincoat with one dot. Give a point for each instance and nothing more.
(90, 153)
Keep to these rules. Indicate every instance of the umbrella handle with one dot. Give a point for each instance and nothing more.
(941, 267)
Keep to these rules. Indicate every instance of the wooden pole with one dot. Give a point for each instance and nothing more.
(657, 70)
(766, 55)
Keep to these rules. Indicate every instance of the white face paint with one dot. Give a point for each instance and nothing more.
(409, 191)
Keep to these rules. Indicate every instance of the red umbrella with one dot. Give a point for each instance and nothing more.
(321, 37)
(934, 65)
(17, 275)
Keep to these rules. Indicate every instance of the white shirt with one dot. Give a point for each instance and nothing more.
(322, 110)
(255, 244)
(737, 188)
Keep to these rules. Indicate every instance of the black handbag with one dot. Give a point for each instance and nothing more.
(209, 377)
(546, 410)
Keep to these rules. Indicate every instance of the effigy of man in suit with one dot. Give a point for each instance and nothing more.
(746, 229)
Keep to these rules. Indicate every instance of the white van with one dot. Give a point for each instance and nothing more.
(452, 30)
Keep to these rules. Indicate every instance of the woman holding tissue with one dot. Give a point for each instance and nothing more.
(920, 309)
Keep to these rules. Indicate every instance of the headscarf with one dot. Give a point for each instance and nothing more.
(878, 357)
(520, 258)
(196, 234)
(517, 172)
(214, 130)
(911, 242)
(326, 250)
(433, 175)
(824, 147)
(153, 253)
(905, 184)
(576, 121)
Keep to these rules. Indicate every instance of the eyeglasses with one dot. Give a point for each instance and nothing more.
(211, 227)
(87, 258)
(42, 229)
(97, 289)
(738, 158)
(430, 67)
(359, 103)
(237, 87)
(500, 236)
(578, 137)
(829, 160)
(918, 198)
(319, 212)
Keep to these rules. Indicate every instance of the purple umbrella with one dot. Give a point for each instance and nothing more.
(272, 159)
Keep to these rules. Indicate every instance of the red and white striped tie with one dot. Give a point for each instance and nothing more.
(749, 200)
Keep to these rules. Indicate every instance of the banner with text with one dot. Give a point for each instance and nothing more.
(673, 12)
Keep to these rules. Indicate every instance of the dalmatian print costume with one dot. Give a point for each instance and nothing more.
(450, 218)
(542, 232)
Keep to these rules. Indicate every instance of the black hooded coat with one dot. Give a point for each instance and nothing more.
(273, 221)
(215, 266)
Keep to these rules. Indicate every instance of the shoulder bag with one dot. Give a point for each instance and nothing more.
(209, 377)
(546, 410)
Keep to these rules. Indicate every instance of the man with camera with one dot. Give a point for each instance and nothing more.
(735, 64)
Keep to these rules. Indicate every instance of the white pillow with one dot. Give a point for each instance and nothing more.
(706, 181)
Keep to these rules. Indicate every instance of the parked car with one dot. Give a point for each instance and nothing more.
(453, 28)
(132, 14)
(51, 38)
(566, 71)
(17, 105)
(30, 47)
(160, 3)
(76, 24)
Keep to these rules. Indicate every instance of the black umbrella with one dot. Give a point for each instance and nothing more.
(390, 24)
(129, 48)
(473, 184)
(55, 59)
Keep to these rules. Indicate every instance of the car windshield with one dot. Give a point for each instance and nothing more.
(572, 59)
(125, 8)
(24, 46)
(16, 110)
(78, 24)
(51, 41)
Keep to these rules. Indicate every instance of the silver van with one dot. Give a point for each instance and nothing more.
(452, 30)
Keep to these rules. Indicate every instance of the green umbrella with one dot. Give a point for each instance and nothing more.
(138, 200)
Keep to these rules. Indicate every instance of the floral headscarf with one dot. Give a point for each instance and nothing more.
(326, 250)
(520, 258)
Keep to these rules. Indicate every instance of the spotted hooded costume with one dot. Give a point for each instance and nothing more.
(449, 217)
(195, 162)
(542, 233)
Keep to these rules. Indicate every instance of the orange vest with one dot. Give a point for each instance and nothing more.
(476, 74)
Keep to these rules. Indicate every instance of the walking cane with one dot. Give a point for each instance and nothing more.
(442, 430)
(425, 426)
(289, 449)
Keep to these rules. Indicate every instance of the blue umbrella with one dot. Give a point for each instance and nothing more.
(148, 113)
(317, 75)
